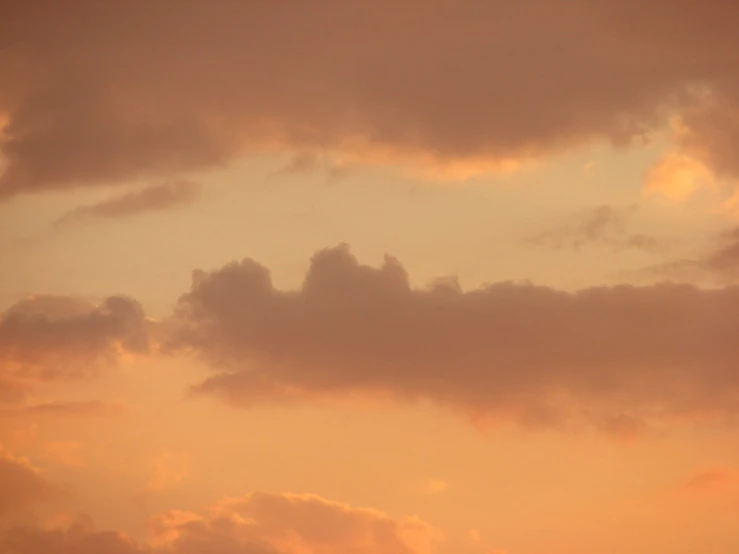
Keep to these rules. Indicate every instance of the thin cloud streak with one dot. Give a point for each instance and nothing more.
(600, 226)
(154, 198)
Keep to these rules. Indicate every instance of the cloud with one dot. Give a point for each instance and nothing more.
(677, 177)
(712, 480)
(58, 409)
(602, 225)
(68, 453)
(303, 163)
(149, 199)
(436, 486)
(612, 357)
(470, 84)
(717, 264)
(292, 523)
(724, 259)
(51, 337)
(79, 538)
(168, 469)
(23, 486)
(259, 523)
(717, 486)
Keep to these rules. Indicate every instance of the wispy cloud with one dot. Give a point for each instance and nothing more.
(600, 226)
(150, 199)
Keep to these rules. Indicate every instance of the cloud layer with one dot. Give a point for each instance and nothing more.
(616, 358)
(259, 523)
(472, 82)
(23, 486)
(613, 357)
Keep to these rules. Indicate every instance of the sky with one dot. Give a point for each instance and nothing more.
(369, 277)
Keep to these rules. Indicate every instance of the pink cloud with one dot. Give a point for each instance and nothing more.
(613, 357)
(462, 84)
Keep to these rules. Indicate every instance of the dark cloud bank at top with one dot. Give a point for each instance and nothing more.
(104, 92)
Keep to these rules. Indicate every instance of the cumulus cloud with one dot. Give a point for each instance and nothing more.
(259, 523)
(614, 357)
(603, 225)
(52, 338)
(474, 83)
(150, 199)
(49, 337)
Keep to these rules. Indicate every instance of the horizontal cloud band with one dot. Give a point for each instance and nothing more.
(613, 357)
(471, 82)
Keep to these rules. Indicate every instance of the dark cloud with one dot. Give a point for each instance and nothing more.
(613, 357)
(104, 92)
(604, 226)
(47, 338)
(150, 199)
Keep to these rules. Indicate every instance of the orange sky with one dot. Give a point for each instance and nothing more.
(387, 277)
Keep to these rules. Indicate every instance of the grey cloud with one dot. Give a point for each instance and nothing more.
(613, 357)
(108, 92)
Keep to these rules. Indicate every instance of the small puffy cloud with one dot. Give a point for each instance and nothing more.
(54, 338)
(150, 199)
(436, 486)
(46, 339)
(612, 357)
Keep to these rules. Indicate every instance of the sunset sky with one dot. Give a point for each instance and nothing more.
(369, 277)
